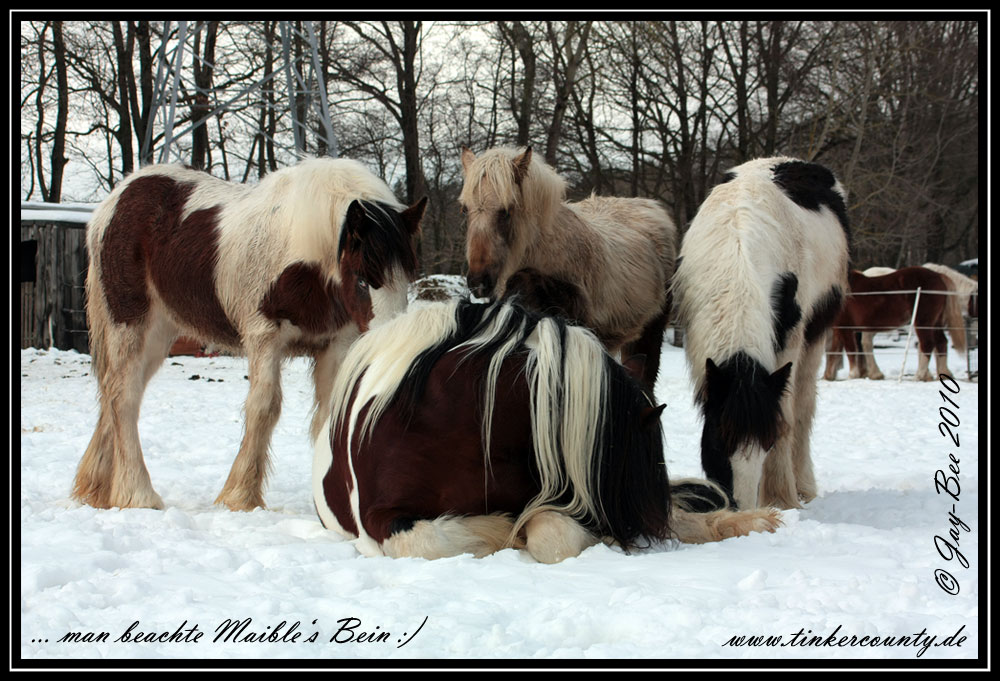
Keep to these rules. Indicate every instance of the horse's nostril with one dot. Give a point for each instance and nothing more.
(477, 283)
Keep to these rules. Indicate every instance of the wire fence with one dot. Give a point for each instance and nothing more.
(970, 326)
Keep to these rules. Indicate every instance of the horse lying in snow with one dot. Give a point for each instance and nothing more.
(467, 428)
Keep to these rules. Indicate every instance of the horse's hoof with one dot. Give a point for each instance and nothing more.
(767, 520)
(149, 499)
(236, 503)
(91, 496)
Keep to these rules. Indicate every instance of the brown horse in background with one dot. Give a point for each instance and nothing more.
(884, 303)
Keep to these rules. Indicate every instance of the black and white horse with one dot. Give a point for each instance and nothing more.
(762, 274)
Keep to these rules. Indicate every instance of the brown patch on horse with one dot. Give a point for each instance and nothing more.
(418, 486)
(146, 239)
(147, 202)
(303, 296)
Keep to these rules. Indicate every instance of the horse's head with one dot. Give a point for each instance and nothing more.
(490, 198)
(378, 259)
(742, 408)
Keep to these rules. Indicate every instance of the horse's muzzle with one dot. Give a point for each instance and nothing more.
(480, 283)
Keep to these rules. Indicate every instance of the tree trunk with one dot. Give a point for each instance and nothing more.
(62, 113)
(520, 39)
(126, 84)
(573, 57)
(202, 67)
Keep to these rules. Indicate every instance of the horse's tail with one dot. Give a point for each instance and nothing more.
(97, 323)
(701, 512)
(953, 317)
(98, 314)
(695, 495)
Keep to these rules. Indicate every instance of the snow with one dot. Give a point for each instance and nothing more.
(859, 560)
(38, 211)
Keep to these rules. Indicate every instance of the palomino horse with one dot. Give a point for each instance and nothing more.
(885, 302)
(296, 265)
(603, 262)
(466, 427)
(761, 276)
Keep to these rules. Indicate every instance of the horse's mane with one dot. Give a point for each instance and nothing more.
(574, 387)
(312, 197)
(538, 197)
(387, 241)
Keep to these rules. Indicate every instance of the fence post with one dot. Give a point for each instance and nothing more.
(913, 319)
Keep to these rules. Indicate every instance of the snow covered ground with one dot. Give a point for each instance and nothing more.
(863, 560)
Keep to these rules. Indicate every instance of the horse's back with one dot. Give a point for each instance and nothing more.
(906, 279)
(630, 222)
(885, 301)
(771, 237)
(429, 462)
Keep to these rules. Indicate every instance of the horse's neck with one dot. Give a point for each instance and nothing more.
(562, 245)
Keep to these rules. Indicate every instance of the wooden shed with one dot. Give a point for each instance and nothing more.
(53, 270)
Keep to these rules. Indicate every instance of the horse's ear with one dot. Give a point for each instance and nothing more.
(712, 375)
(467, 158)
(779, 379)
(413, 215)
(650, 416)
(635, 366)
(521, 165)
(355, 219)
(710, 368)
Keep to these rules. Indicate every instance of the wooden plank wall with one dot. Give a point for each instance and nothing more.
(53, 309)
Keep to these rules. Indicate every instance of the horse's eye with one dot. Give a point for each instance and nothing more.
(362, 285)
(463, 209)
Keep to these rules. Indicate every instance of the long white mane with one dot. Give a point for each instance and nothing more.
(564, 369)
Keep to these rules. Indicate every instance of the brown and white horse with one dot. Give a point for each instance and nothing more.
(299, 264)
(466, 427)
(603, 262)
(883, 302)
(761, 276)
